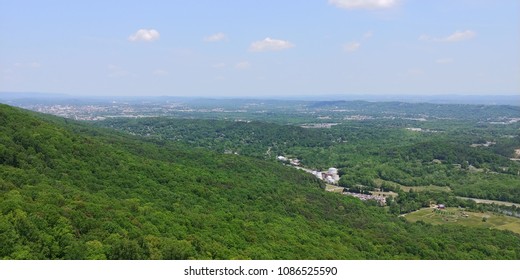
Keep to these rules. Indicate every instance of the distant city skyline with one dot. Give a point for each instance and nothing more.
(260, 48)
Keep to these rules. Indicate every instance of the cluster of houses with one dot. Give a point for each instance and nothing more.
(487, 144)
(291, 161)
(330, 176)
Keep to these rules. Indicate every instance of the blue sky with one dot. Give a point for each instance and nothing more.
(260, 48)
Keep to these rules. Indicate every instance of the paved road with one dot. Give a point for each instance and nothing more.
(487, 201)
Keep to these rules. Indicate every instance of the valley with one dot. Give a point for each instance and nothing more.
(209, 184)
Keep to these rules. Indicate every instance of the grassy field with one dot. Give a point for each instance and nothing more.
(433, 188)
(462, 217)
(392, 194)
(332, 188)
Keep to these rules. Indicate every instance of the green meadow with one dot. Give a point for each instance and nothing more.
(462, 217)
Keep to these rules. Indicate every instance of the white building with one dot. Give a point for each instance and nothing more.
(332, 171)
(330, 180)
(282, 158)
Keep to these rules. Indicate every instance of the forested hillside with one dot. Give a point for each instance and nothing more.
(256, 139)
(443, 153)
(72, 191)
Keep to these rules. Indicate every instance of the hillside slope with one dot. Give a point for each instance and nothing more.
(71, 191)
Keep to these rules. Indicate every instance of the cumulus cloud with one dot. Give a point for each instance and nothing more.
(460, 36)
(455, 37)
(215, 37)
(351, 47)
(363, 4)
(269, 44)
(146, 35)
(242, 65)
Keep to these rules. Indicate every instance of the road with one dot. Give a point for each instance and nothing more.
(487, 201)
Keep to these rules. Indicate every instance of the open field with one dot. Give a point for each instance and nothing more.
(332, 188)
(465, 218)
(392, 194)
(337, 189)
(433, 188)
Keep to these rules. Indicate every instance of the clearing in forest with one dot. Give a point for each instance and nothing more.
(452, 215)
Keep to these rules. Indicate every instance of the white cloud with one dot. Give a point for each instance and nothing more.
(215, 37)
(363, 4)
(455, 37)
(444, 60)
(146, 35)
(351, 47)
(269, 44)
(242, 65)
(460, 36)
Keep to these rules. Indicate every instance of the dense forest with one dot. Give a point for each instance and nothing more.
(444, 153)
(251, 138)
(72, 191)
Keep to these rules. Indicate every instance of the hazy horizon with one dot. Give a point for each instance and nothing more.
(32, 97)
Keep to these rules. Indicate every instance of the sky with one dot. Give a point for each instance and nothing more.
(261, 48)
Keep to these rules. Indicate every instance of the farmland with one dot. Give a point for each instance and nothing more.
(453, 215)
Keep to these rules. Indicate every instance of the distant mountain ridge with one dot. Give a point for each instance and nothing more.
(435, 99)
